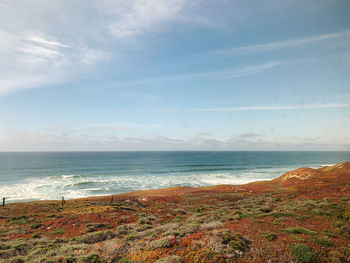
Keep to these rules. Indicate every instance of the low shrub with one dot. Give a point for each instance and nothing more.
(17, 260)
(92, 258)
(211, 225)
(4, 246)
(303, 253)
(269, 236)
(299, 230)
(122, 230)
(36, 226)
(36, 235)
(59, 231)
(324, 242)
(95, 237)
(178, 218)
(130, 237)
(160, 243)
(188, 228)
(146, 220)
(298, 238)
(170, 259)
(226, 242)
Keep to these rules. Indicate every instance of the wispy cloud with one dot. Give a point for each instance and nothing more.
(41, 40)
(273, 107)
(271, 46)
(223, 74)
(133, 18)
(37, 50)
(30, 60)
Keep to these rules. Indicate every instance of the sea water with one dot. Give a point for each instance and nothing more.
(51, 175)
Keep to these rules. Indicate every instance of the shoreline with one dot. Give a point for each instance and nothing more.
(179, 190)
(33, 177)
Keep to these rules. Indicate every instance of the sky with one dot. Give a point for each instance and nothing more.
(116, 75)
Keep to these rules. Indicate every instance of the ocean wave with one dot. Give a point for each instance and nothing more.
(81, 185)
(77, 186)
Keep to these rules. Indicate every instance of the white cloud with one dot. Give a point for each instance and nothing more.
(273, 107)
(137, 17)
(19, 140)
(26, 63)
(271, 46)
(41, 40)
(45, 42)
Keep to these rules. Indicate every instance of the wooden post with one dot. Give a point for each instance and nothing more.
(112, 200)
(62, 200)
(3, 201)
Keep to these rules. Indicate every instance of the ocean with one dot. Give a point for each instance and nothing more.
(51, 175)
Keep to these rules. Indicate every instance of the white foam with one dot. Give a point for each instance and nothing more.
(76, 186)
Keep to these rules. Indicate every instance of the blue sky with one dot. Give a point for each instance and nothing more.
(174, 75)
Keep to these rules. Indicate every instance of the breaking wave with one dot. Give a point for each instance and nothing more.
(77, 186)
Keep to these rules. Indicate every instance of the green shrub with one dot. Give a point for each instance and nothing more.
(345, 231)
(178, 218)
(160, 243)
(122, 230)
(143, 228)
(16, 260)
(245, 215)
(324, 242)
(36, 226)
(330, 233)
(233, 241)
(340, 256)
(92, 227)
(298, 238)
(92, 258)
(130, 237)
(146, 220)
(95, 237)
(59, 231)
(36, 235)
(4, 246)
(303, 253)
(269, 236)
(299, 230)
(20, 247)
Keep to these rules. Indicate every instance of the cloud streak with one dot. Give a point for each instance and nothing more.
(223, 74)
(272, 46)
(274, 108)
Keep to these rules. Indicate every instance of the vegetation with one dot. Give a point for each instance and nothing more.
(299, 230)
(303, 253)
